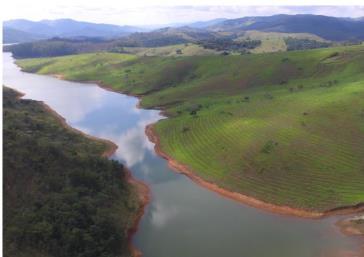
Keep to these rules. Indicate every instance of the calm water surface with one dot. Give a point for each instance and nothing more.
(183, 219)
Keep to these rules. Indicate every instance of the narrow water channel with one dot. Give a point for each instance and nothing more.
(182, 219)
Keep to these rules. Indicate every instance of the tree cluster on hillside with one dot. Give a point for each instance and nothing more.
(151, 39)
(303, 44)
(227, 44)
(61, 198)
(57, 47)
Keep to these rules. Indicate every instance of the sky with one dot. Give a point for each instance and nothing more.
(144, 13)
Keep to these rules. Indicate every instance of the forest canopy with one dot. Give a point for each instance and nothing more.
(61, 198)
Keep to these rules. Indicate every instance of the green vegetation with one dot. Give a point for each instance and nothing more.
(285, 127)
(187, 49)
(57, 47)
(276, 41)
(173, 42)
(61, 198)
(303, 44)
(227, 44)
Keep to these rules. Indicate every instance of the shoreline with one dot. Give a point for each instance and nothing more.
(349, 228)
(141, 188)
(239, 197)
(143, 192)
(111, 146)
(144, 198)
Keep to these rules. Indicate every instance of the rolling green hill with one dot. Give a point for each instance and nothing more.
(286, 128)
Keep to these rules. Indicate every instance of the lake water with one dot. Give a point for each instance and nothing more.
(182, 219)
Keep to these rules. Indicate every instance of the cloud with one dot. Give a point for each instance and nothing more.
(160, 214)
(109, 11)
(132, 143)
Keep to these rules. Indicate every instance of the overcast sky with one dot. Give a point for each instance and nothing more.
(134, 12)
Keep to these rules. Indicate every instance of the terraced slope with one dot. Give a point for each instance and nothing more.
(286, 128)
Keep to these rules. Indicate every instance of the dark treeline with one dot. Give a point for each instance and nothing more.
(151, 39)
(61, 198)
(60, 46)
(57, 47)
(303, 44)
(228, 44)
(63, 46)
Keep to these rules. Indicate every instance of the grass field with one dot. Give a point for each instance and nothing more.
(286, 128)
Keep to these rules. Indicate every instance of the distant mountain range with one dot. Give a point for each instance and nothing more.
(329, 28)
(11, 35)
(24, 30)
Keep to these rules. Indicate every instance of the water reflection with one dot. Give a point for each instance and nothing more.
(133, 142)
(182, 219)
(66, 102)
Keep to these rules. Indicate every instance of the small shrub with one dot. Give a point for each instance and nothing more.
(268, 96)
(283, 82)
(185, 129)
(334, 54)
(269, 146)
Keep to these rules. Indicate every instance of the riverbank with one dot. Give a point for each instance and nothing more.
(256, 203)
(144, 197)
(141, 188)
(353, 226)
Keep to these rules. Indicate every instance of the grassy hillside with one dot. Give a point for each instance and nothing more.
(286, 128)
(274, 41)
(61, 198)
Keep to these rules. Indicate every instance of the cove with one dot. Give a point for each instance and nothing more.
(182, 218)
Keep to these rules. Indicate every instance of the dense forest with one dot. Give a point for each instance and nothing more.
(61, 198)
